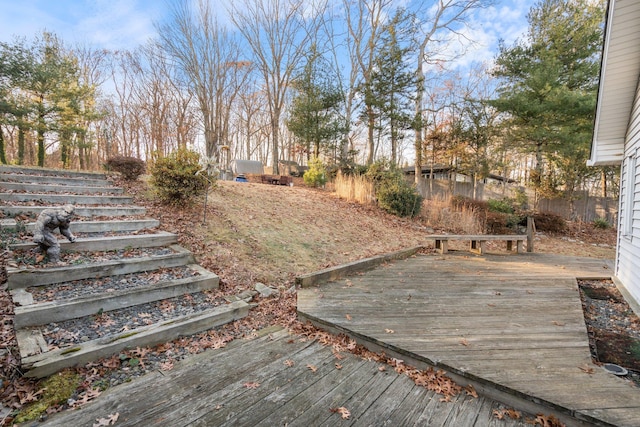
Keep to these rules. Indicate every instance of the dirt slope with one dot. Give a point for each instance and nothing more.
(258, 232)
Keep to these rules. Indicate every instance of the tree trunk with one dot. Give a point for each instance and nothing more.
(371, 142)
(3, 154)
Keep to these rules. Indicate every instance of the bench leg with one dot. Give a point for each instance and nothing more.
(477, 246)
(520, 246)
(442, 246)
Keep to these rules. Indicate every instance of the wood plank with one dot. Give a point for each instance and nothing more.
(480, 317)
(316, 401)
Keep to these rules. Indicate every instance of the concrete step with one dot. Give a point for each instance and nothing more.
(34, 170)
(28, 313)
(53, 180)
(83, 211)
(39, 362)
(109, 243)
(130, 225)
(63, 199)
(50, 188)
(25, 277)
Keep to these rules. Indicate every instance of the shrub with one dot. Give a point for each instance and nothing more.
(316, 176)
(504, 206)
(549, 222)
(176, 178)
(396, 196)
(129, 167)
(399, 199)
(601, 223)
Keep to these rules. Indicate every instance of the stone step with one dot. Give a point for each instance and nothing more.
(50, 188)
(130, 225)
(28, 313)
(34, 170)
(25, 277)
(63, 199)
(39, 362)
(83, 211)
(53, 180)
(108, 243)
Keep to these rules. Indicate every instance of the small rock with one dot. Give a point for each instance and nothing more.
(264, 290)
(247, 295)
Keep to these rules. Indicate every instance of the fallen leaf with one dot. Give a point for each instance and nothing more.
(471, 391)
(555, 322)
(389, 331)
(587, 369)
(511, 413)
(312, 368)
(251, 385)
(348, 316)
(109, 421)
(289, 363)
(166, 366)
(338, 366)
(464, 342)
(382, 368)
(344, 412)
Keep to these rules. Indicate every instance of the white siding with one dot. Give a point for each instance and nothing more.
(628, 254)
(619, 78)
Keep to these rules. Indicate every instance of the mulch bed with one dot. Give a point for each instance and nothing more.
(613, 327)
(87, 287)
(75, 331)
(34, 259)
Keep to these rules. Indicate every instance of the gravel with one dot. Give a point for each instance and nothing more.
(87, 287)
(28, 258)
(75, 331)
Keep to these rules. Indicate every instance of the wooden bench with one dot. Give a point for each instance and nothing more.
(477, 241)
(276, 179)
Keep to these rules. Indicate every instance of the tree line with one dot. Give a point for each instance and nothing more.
(350, 82)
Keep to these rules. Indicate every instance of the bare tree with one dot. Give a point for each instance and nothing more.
(365, 19)
(440, 22)
(209, 58)
(278, 33)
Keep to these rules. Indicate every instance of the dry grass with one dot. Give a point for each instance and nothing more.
(354, 188)
(438, 214)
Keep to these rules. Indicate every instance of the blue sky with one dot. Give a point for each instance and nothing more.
(121, 24)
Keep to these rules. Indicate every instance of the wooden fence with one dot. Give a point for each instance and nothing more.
(585, 208)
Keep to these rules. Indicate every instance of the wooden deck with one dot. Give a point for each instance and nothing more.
(250, 384)
(511, 324)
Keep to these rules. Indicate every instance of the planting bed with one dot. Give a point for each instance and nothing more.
(86, 287)
(76, 331)
(33, 259)
(614, 329)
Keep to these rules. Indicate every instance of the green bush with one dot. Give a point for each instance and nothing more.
(398, 198)
(316, 175)
(177, 178)
(601, 223)
(504, 206)
(129, 167)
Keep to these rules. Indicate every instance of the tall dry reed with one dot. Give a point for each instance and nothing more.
(439, 214)
(354, 188)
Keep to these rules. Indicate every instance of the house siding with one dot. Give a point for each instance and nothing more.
(628, 254)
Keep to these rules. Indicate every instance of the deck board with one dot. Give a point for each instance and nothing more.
(514, 321)
(210, 389)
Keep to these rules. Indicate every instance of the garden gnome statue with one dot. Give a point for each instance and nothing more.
(48, 221)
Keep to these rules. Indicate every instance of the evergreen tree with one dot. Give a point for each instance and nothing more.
(549, 87)
(314, 114)
(392, 83)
